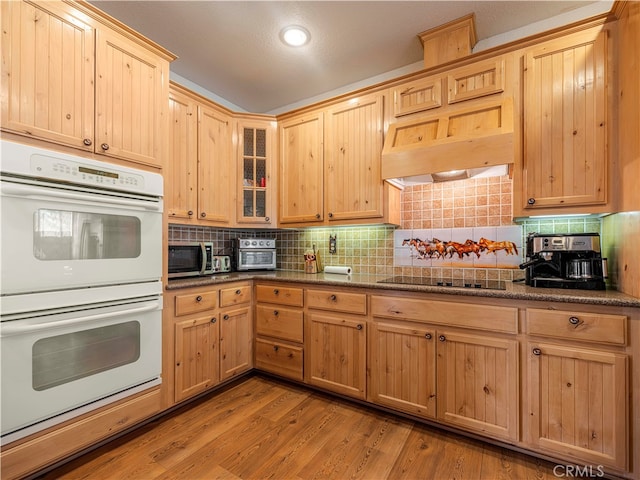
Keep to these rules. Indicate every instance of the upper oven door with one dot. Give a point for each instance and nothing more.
(62, 237)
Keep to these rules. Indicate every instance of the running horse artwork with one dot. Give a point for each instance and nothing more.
(436, 248)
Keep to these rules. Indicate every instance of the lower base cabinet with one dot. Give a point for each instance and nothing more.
(578, 399)
(236, 341)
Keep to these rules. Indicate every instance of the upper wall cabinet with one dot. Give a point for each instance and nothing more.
(257, 184)
(566, 122)
(69, 78)
(201, 166)
(417, 96)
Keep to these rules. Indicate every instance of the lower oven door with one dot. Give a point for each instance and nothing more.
(54, 364)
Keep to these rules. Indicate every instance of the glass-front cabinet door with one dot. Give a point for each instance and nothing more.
(256, 140)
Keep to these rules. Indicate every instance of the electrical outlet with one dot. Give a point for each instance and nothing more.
(332, 244)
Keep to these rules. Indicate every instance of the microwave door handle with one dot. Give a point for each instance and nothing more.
(203, 256)
(79, 197)
(8, 328)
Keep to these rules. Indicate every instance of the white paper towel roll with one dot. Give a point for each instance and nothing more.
(337, 269)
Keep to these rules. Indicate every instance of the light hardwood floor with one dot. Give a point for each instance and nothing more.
(262, 428)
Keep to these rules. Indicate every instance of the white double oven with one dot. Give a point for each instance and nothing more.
(81, 291)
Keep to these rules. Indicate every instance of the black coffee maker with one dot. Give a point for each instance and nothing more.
(565, 261)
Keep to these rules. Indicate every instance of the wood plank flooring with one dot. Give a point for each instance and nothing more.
(266, 429)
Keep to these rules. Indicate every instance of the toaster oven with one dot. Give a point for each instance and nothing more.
(255, 254)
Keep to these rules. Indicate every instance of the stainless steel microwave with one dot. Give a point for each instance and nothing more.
(255, 253)
(187, 259)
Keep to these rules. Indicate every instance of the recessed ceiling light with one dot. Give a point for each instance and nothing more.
(295, 36)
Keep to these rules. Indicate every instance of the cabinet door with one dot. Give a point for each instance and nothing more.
(565, 122)
(577, 403)
(255, 205)
(130, 99)
(181, 194)
(236, 338)
(215, 167)
(301, 167)
(478, 383)
(196, 362)
(403, 372)
(47, 73)
(353, 149)
(337, 353)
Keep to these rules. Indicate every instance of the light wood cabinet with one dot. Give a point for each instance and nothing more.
(73, 78)
(256, 175)
(330, 164)
(280, 331)
(402, 358)
(417, 96)
(196, 356)
(578, 385)
(566, 120)
(236, 341)
(301, 169)
(478, 379)
(336, 352)
(201, 167)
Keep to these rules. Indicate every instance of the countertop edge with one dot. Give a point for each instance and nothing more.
(513, 291)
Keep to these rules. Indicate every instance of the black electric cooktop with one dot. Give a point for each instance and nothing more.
(446, 282)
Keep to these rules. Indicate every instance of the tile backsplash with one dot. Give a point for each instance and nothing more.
(457, 211)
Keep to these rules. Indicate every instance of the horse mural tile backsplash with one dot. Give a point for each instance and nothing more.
(476, 247)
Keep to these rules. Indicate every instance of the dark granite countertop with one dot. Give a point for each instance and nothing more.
(515, 291)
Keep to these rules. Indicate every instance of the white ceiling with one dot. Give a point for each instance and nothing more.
(232, 48)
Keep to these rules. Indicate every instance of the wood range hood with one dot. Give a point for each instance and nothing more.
(467, 130)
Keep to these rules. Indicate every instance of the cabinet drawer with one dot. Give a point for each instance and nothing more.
(235, 295)
(283, 323)
(280, 295)
(195, 302)
(483, 317)
(337, 301)
(278, 358)
(590, 327)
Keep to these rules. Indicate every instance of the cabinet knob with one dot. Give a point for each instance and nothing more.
(428, 336)
(359, 326)
(190, 212)
(238, 292)
(267, 219)
(333, 298)
(276, 313)
(276, 348)
(276, 291)
(203, 214)
(531, 201)
(226, 317)
(442, 338)
(574, 320)
(536, 351)
(87, 142)
(214, 320)
(330, 215)
(199, 298)
(318, 216)
(105, 146)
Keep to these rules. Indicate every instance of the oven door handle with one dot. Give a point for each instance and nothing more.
(48, 192)
(8, 328)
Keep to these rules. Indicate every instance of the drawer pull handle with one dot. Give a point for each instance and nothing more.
(428, 336)
(333, 298)
(442, 338)
(359, 326)
(190, 212)
(276, 291)
(537, 351)
(238, 292)
(87, 142)
(574, 321)
(214, 320)
(105, 146)
(276, 348)
(276, 313)
(226, 317)
(199, 298)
